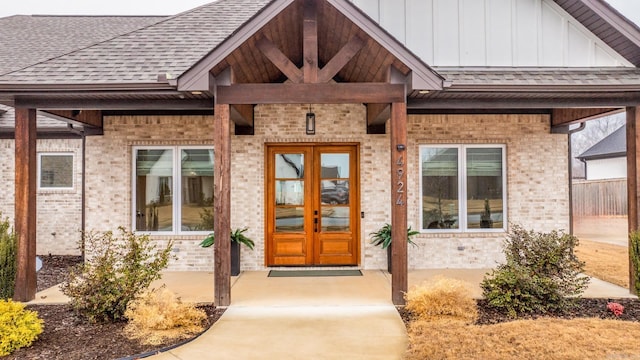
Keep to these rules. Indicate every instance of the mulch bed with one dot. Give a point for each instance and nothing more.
(68, 336)
(586, 308)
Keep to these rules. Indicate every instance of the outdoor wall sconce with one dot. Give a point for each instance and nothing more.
(311, 122)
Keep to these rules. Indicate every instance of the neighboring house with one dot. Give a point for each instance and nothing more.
(607, 159)
(327, 119)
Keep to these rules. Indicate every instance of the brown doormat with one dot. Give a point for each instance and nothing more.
(305, 273)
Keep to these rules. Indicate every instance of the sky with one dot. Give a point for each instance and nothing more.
(630, 8)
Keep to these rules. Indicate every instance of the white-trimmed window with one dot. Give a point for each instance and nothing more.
(55, 170)
(463, 188)
(157, 172)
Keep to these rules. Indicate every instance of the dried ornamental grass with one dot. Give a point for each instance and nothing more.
(442, 299)
(160, 315)
(547, 339)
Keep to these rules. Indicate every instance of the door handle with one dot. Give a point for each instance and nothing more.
(315, 224)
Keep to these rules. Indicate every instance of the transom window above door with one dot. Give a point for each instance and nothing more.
(463, 188)
(173, 189)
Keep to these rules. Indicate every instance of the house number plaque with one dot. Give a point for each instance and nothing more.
(400, 199)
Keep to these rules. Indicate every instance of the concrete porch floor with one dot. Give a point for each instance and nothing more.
(256, 288)
(306, 317)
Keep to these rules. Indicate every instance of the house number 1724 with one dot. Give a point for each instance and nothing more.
(400, 183)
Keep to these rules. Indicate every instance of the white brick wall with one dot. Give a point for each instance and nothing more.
(536, 165)
(537, 182)
(59, 211)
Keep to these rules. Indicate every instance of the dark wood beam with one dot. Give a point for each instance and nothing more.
(399, 159)
(43, 133)
(377, 116)
(280, 60)
(568, 116)
(310, 41)
(25, 206)
(340, 93)
(77, 117)
(526, 101)
(222, 205)
(242, 114)
(243, 118)
(79, 103)
(344, 55)
(633, 183)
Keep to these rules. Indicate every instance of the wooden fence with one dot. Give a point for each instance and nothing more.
(600, 197)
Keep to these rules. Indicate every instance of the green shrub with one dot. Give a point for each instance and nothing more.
(120, 268)
(634, 250)
(7, 260)
(541, 274)
(18, 327)
(159, 316)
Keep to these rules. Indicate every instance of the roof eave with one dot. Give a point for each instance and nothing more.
(197, 77)
(602, 156)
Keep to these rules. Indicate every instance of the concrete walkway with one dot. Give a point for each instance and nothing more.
(307, 317)
(303, 318)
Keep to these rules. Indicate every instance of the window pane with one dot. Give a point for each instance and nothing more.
(335, 218)
(56, 171)
(484, 188)
(289, 166)
(289, 192)
(197, 189)
(334, 192)
(154, 190)
(439, 188)
(334, 166)
(289, 219)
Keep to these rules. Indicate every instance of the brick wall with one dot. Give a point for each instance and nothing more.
(536, 180)
(59, 210)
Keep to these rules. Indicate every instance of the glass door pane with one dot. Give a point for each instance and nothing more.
(289, 193)
(334, 192)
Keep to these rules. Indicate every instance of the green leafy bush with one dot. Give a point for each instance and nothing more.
(7, 260)
(120, 269)
(541, 274)
(634, 250)
(18, 327)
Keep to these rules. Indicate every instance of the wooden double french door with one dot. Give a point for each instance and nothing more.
(312, 205)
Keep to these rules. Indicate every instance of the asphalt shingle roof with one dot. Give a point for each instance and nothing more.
(33, 39)
(169, 46)
(540, 76)
(614, 145)
(37, 38)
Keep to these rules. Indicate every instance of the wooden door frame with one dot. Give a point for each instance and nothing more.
(357, 219)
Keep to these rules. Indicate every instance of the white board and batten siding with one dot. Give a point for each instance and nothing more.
(536, 33)
(602, 169)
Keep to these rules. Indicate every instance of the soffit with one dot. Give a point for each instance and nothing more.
(371, 64)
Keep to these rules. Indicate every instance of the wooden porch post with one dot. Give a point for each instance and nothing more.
(25, 206)
(633, 159)
(222, 205)
(398, 202)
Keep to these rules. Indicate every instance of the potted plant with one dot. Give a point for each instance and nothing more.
(382, 238)
(237, 238)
